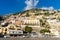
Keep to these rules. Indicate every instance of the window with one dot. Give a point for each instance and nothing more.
(19, 32)
(13, 31)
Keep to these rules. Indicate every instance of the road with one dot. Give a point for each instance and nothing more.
(30, 38)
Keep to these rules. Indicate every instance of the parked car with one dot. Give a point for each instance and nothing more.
(7, 36)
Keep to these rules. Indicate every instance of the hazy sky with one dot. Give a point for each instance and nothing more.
(12, 6)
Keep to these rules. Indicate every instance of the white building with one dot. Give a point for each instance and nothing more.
(31, 22)
(18, 32)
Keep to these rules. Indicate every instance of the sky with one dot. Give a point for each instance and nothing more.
(13, 6)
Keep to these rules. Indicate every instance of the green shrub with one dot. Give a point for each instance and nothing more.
(28, 29)
(43, 31)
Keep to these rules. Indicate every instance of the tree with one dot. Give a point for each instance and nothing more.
(58, 18)
(1, 18)
(28, 29)
(27, 14)
(44, 23)
(46, 14)
(43, 31)
(41, 21)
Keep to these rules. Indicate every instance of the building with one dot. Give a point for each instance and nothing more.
(15, 32)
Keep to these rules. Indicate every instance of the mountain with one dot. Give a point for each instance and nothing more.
(36, 11)
(36, 18)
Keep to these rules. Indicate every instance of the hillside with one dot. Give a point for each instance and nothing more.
(36, 12)
(36, 18)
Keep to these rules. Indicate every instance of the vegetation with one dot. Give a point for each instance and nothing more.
(46, 14)
(1, 35)
(44, 23)
(41, 22)
(36, 14)
(28, 29)
(43, 31)
(58, 18)
(1, 18)
(16, 13)
(27, 14)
